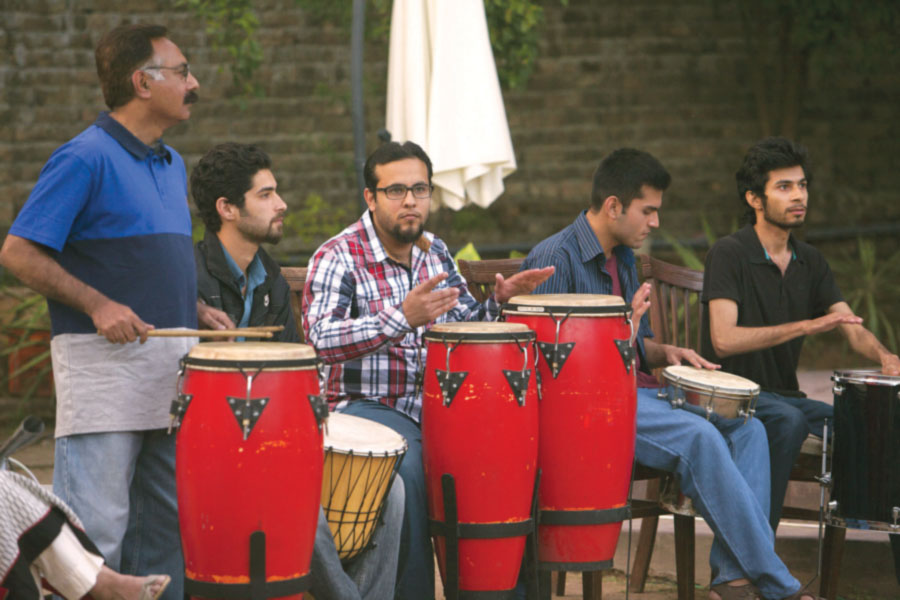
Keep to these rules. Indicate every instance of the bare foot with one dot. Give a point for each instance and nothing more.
(115, 586)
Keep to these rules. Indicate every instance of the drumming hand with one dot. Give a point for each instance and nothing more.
(830, 321)
(640, 303)
(423, 304)
(676, 355)
(213, 318)
(118, 323)
(521, 283)
(890, 364)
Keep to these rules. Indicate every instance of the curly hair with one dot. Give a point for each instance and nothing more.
(764, 157)
(226, 171)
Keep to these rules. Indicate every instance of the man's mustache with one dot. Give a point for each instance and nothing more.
(191, 97)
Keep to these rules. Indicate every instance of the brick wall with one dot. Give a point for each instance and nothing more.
(666, 77)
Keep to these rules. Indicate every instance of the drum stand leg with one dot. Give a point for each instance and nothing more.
(530, 562)
(453, 531)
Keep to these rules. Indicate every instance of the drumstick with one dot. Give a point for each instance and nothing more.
(210, 333)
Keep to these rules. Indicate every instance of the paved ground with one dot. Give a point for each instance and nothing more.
(867, 571)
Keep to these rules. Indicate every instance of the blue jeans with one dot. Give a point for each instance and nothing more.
(788, 421)
(722, 465)
(369, 576)
(122, 487)
(415, 569)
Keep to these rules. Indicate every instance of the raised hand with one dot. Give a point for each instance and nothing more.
(521, 283)
(423, 304)
(212, 318)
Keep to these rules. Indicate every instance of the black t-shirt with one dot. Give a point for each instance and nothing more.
(738, 268)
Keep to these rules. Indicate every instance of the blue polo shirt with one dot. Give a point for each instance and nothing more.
(114, 213)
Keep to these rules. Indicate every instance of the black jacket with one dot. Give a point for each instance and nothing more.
(217, 288)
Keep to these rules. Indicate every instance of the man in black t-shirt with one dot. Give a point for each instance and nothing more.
(765, 291)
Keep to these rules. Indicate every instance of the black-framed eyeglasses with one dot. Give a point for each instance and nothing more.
(420, 191)
(184, 69)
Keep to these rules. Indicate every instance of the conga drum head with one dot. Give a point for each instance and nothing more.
(216, 356)
(560, 304)
(361, 459)
(725, 394)
(479, 331)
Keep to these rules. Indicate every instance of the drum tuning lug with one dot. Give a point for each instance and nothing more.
(626, 350)
(895, 513)
(838, 389)
(319, 408)
(450, 382)
(556, 355)
(824, 479)
(518, 382)
(661, 394)
(247, 412)
(832, 506)
(177, 409)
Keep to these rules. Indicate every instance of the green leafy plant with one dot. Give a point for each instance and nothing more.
(514, 27)
(871, 287)
(25, 330)
(315, 219)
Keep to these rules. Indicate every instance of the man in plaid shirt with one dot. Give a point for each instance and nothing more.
(371, 292)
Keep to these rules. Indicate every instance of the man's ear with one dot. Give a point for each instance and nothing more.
(227, 211)
(370, 198)
(612, 207)
(139, 82)
(753, 200)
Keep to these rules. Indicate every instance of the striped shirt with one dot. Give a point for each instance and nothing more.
(352, 315)
(581, 269)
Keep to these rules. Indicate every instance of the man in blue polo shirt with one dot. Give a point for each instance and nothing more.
(106, 236)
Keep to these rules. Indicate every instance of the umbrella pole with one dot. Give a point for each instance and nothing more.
(358, 30)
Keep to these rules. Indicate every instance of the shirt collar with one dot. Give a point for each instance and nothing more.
(136, 147)
(423, 244)
(590, 246)
(759, 254)
(256, 273)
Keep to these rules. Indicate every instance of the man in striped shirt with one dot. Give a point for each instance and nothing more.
(721, 464)
(371, 291)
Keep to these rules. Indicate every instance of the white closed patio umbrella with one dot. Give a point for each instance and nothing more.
(443, 94)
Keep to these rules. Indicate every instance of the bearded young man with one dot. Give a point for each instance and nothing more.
(766, 291)
(371, 292)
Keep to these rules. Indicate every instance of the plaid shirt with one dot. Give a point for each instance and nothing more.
(353, 315)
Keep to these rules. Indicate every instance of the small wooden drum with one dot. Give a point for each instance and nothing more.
(587, 421)
(248, 468)
(361, 460)
(479, 449)
(729, 396)
(865, 473)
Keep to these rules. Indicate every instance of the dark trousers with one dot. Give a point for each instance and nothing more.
(788, 421)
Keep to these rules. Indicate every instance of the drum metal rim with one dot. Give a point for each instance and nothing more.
(558, 309)
(865, 376)
(390, 453)
(507, 336)
(218, 364)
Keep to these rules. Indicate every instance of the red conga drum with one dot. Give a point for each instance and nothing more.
(248, 468)
(480, 444)
(587, 416)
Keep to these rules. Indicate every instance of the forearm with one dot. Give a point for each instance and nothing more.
(728, 341)
(654, 354)
(865, 343)
(36, 269)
